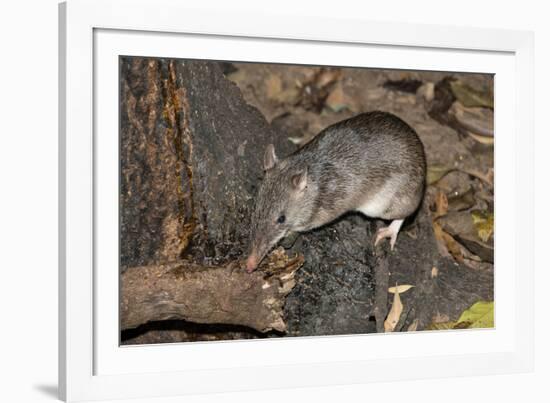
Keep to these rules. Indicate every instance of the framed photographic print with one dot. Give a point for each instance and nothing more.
(243, 207)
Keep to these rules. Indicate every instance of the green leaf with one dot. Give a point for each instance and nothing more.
(484, 223)
(479, 315)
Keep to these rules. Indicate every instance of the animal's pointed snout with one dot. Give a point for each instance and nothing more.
(251, 263)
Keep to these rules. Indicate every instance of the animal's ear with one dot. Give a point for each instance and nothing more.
(270, 158)
(299, 180)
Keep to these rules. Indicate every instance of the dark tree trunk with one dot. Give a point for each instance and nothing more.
(191, 153)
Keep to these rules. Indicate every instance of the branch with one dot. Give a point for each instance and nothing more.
(214, 295)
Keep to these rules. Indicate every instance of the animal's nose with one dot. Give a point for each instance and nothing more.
(251, 263)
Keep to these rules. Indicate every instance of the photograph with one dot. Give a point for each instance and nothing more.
(246, 201)
(263, 200)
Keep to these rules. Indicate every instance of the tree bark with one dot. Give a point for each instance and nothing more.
(214, 295)
(191, 156)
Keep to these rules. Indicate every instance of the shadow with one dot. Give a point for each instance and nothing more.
(176, 331)
(48, 390)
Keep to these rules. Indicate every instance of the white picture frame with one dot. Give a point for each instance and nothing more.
(93, 366)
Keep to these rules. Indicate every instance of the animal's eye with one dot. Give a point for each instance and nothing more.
(281, 219)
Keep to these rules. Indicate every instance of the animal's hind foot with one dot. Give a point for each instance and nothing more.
(390, 231)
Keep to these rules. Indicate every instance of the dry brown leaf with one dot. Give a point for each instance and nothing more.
(413, 326)
(441, 245)
(487, 140)
(400, 288)
(476, 120)
(327, 76)
(428, 91)
(336, 100)
(274, 86)
(441, 326)
(276, 92)
(296, 140)
(452, 246)
(435, 272)
(440, 318)
(394, 314)
(441, 204)
(238, 77)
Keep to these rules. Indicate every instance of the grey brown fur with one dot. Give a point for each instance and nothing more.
(373, 163)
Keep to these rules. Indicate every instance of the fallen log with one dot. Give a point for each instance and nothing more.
(208, 294)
